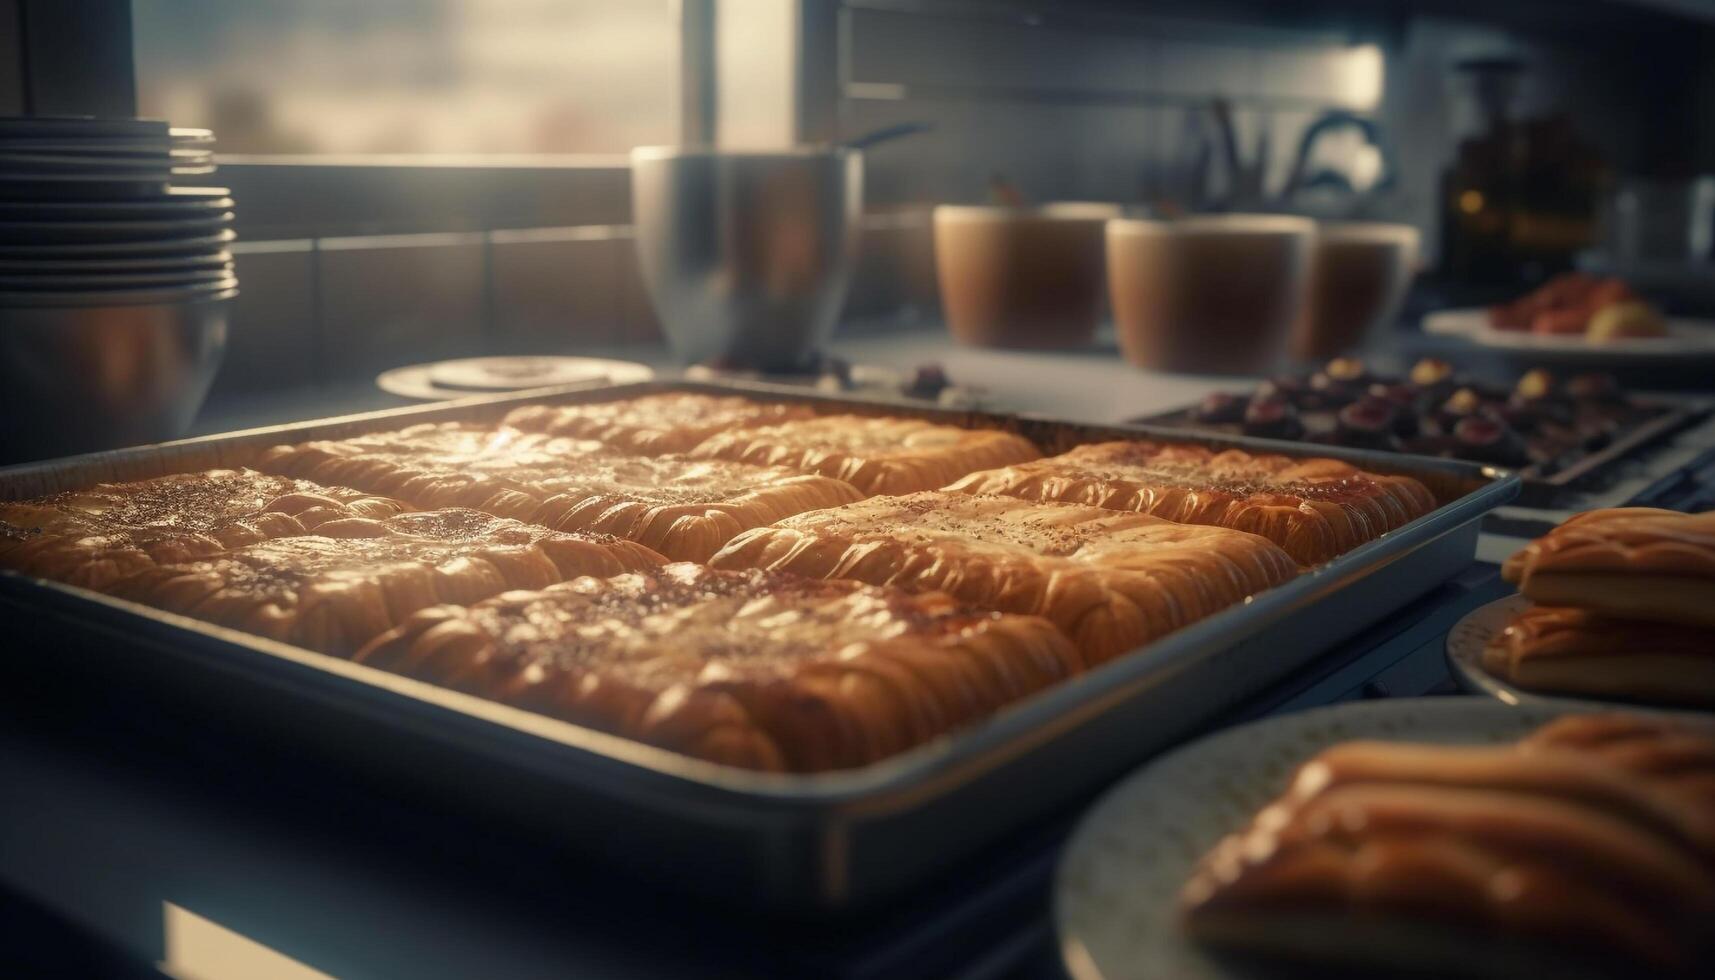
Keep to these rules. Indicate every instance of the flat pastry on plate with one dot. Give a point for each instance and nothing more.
(752, 669)
(1629, 562)
(684, 508)
(673, 422)
(1111, 581)
(356, 578)
(876, 455)
(91, 537)
(1589, 849)
(1578, 652)
(1316, 509)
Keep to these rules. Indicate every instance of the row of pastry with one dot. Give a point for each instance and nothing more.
(1623, 606)
(840, 608)
(1587, 848)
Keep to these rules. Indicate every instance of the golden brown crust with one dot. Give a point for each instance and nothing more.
(1110, 581)
(674, 422)
(1622, 539)
(1551, 841)
(1315, 509)
(684, 508)
(876, 455)
(356, 578)
(751, 669)
(91, 537)
(1631, 562)
(1677, 751)
(1574, 651)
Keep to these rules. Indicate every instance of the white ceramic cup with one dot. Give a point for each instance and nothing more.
(1359, 274)
(1207, 293)
(1021, 276)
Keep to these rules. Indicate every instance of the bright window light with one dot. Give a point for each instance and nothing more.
(1361, 72)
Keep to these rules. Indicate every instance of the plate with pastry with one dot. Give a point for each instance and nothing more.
(1423, 837)
(1519, 651)
(1632, 563)
(1614, 604)
(1578, 315)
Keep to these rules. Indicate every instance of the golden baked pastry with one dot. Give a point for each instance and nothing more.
(450, 464)
(1677, 750)
(752, 669)
(1431, 858)
(673, 422)
(1111, 581)
(1316, 509)
(1575, 651)
(684, 508)
(91, 537)
(876, 455)
(1629, 562)
(356, 578)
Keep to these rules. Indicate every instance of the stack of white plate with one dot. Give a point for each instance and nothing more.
(88, 213)
(114, 284)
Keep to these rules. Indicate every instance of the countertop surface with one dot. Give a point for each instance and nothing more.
(1091, 384)
(142, 852)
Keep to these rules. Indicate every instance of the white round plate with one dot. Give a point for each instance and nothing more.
(1465, 643)
(201, 245)
(125, 296)
(1685, 337)
(1116, 890)
(101, 232)
(444, 380)
(86, 146)
(84, 163)
(57, 127)
(1468, 637)
(158, 181)
(126, 280)
(145, 265)
(166, 209)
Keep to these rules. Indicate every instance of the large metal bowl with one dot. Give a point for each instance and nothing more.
(78, 378)
(747, 255)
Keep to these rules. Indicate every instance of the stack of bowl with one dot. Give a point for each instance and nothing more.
(114, 284)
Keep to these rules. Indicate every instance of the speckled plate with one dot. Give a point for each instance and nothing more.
(1468, 637)
(442, 380)
(1684, 338)
(1118, 882)
(1465, 643)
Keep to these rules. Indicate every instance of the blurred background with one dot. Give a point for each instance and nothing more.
(1243, 217)
(449, 176)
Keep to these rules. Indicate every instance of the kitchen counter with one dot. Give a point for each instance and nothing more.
(205, 856)
(1092, 384)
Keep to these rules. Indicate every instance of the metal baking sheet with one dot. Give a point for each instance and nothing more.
(1538, 488)
(803, 844)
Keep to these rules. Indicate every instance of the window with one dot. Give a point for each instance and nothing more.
(327, 77)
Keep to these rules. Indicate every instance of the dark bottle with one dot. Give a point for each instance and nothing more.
(1519, 199)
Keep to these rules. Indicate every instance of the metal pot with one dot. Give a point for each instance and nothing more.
(112, 371)
(747, 256)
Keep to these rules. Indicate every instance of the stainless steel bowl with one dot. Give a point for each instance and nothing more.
(78, 378)
(747, 255)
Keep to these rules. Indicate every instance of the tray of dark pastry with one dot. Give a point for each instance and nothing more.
(1557, 432)
(790, 648)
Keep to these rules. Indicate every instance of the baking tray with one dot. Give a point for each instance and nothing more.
(1541, 486)
(802, 844)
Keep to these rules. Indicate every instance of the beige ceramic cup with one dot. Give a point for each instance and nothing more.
(1022, 276)
(1207, 293)
(1359, 274)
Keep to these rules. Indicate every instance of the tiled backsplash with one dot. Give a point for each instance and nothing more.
(1082, 109)
(312, 311)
